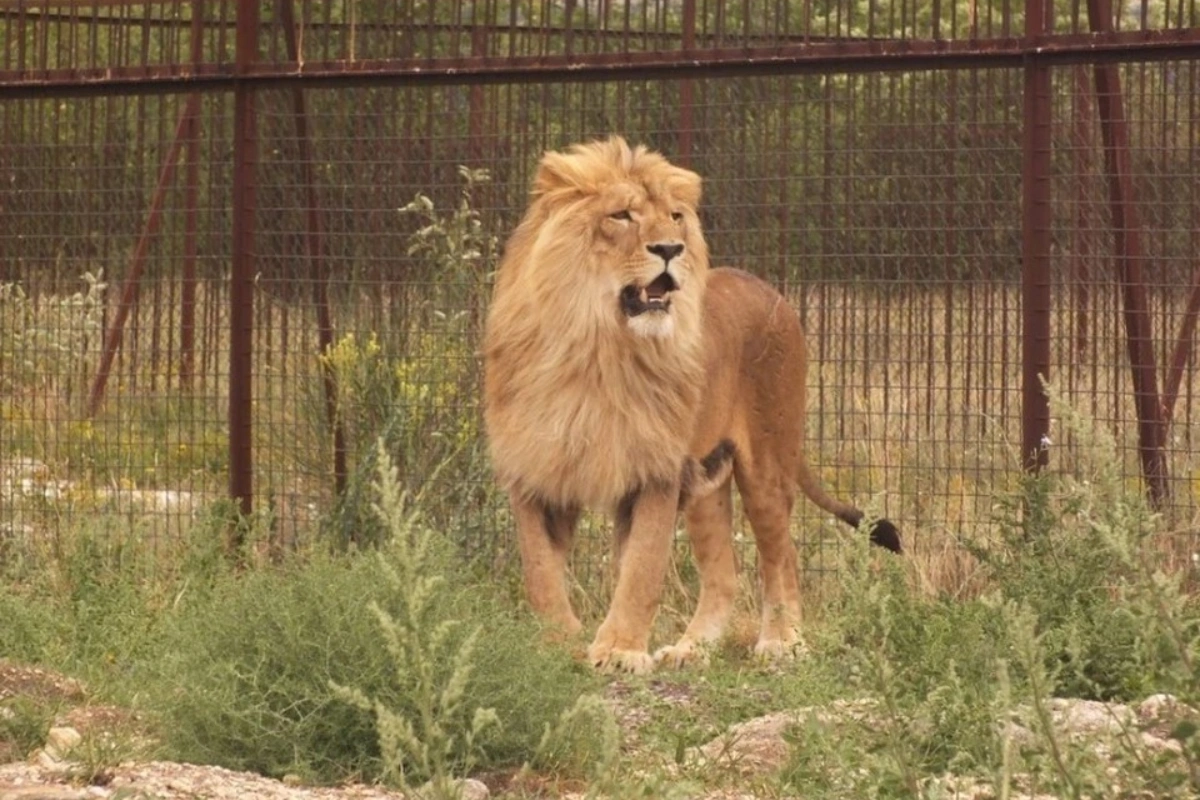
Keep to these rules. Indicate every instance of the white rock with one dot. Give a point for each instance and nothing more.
(1090, 717)
(467, 789)
(1158, 707)
(61, 741)
(471, 789)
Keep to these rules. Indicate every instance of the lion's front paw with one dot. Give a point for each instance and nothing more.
(683, 653)
(775, 650)
(610, 659)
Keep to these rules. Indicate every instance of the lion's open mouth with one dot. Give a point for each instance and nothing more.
(654, 296)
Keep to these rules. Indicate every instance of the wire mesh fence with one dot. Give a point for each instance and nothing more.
(886, 201)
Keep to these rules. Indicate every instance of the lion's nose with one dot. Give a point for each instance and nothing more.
(665, 251)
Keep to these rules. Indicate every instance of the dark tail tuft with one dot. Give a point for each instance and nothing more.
(884, 534)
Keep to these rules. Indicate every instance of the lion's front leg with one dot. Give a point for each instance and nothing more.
(645, 527)
(710, 530)
(544, 535)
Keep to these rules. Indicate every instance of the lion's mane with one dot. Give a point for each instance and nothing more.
(579, 408)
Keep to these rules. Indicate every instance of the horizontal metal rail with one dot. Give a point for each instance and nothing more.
(12, 12)
(852, 56)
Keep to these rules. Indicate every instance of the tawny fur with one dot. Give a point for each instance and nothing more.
(589, 407)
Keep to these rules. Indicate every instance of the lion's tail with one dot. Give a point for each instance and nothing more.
(883, 532)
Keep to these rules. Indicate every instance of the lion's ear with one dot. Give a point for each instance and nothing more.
(685, 186)
(584, 166)
(554, 172)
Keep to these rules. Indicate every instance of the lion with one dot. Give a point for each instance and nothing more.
(623, 375)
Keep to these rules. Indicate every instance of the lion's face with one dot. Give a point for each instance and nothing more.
(618, 238)
(644, 238)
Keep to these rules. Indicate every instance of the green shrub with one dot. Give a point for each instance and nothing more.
(1077, 605)
(1080, 552)
(437, 731)
(87, 603)
(249, 678)
(928, 666)
(415, 383)
(46, 336)
(1077, 589)
(23, 725)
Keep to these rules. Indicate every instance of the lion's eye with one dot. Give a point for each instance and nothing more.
(622, 215)
(677, 216)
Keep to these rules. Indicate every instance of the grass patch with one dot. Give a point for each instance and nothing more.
(238, 666)
(1076, 604)
(910, 687)
(369, 666)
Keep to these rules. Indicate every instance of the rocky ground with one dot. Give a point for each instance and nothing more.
(58, 770)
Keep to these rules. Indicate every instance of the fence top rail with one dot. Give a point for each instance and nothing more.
(828, 57)
(133, 46)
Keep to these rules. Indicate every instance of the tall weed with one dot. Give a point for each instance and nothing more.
(438, 732)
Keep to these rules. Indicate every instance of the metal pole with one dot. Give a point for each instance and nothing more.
(129, 291)
(314, 249)
(241, 282)
(1035, 248)
(187, 315)
(1127, 235)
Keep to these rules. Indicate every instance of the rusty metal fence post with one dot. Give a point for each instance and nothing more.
(241, 280)
(1035, 245)
(686, 88)
(1127, 238)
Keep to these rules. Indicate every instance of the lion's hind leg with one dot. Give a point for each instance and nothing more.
(768, 497)
(702, 476)
(710, 530)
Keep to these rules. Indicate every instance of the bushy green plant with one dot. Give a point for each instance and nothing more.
(432, 659)
(250, 669)
(1076, 605)
(23, 725)
(1079, 551)
(926, 666)
(88, 601)
(415, 386)
(584, 740)
(455, 246)
(30, 625)
(422, 406)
